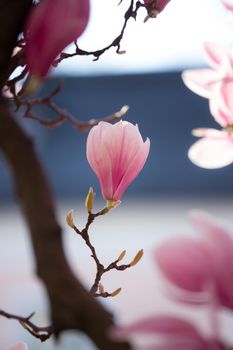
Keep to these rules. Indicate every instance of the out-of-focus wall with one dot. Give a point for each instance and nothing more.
(166, 112)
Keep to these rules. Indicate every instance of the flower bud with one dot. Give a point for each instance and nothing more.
(117, 154)
(70, 219)
(137, 258)
(50, 27)
(116, 292)
(90, 200)
(121, 256)
(101, 288)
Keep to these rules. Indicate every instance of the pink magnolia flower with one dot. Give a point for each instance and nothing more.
(174, 334)
(215, 149)
(157, 5)
(19, 346)
(203, 81)
(200, 265)
(50, 27)
(116, 154)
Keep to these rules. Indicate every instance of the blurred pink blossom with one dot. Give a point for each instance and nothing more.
(19, 346)
(50, 27)
(173, 334)
(204, 264)
(215, 149)
(117, 154)
(202, 81)
(228, 5)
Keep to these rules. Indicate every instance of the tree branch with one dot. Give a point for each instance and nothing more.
(131, 12)
(62, 114)
(71, 306)
(100, 268)
(12, 17)
(42, 333)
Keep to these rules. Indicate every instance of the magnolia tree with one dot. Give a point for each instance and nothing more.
(197, 271)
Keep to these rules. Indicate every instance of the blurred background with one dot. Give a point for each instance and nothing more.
(156, 205)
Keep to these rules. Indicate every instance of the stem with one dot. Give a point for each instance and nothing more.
(100, 269)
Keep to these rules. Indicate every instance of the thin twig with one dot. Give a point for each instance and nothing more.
(130, 13)
(100, 268)
(42, 333)
(62, 114)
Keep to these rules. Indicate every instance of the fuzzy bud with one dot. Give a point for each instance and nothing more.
(116, 292)
(137, 258)
(70, 219)
(90, 200)
(121, 256)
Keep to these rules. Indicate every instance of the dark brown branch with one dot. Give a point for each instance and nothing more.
(42, 333)
(71, 306)
(130, 13)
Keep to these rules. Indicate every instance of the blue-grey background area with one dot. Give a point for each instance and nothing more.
(166, 112)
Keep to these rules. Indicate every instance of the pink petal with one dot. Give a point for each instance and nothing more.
(228, 5)
(185, 262)
(122, 142)
(215, 54)
(134, 167)
(212, 152)
(189, 344)
(220, 244)
(178, 334)
(98, 158)
(19, 346)
(162, 325)
(221, 103)
(200, 81)
(161, 4)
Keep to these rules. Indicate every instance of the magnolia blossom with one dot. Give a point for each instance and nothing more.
(201, 265)
(174, 334)
(215, 149)
(19, 346)
(50, 27)
(203, 81)
(116, 154)
(202, 271)
(194, 266)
